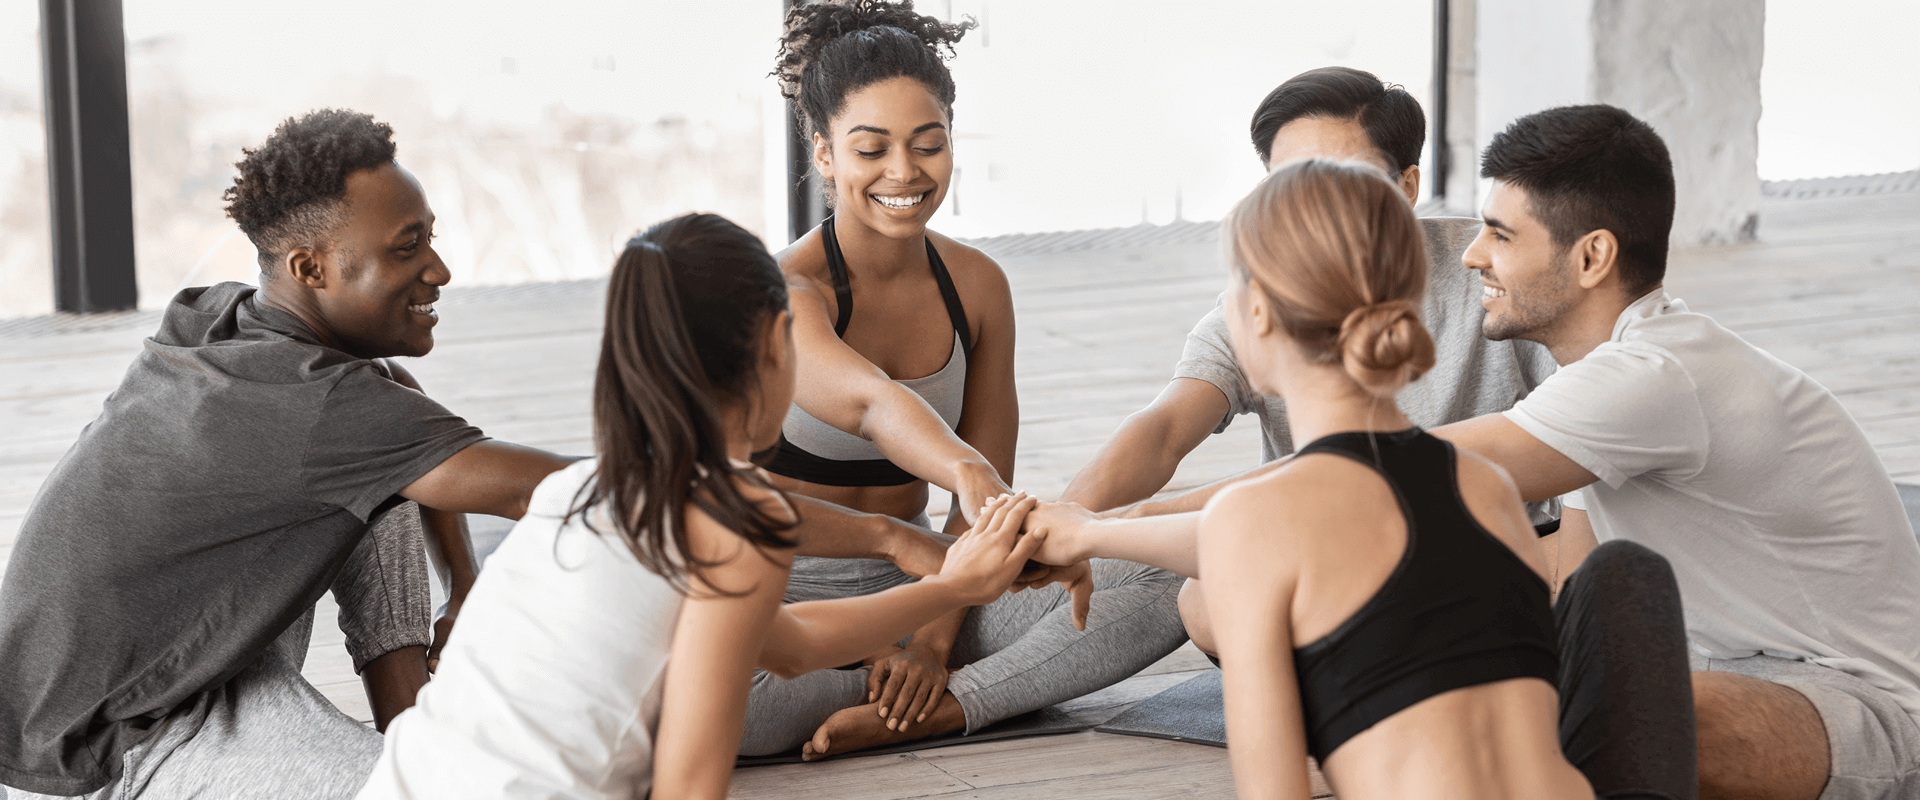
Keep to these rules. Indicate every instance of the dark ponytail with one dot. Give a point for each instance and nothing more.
(832, 49)
(686, 305)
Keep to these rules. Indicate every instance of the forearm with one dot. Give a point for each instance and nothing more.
(912, 436)
(829, 530)
(827, 633)
(1130, 468)
(1195, 499)
(936, 638)
(450, 549)
(1170, 541)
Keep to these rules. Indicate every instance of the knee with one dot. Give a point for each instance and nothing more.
(1193, 614)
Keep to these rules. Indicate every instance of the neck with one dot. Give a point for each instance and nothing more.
(877, 256)
(1321, 399)
(734, 420)
(300, 304)
(1589, 325)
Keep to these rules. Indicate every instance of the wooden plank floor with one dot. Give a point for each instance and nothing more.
(1833, 286)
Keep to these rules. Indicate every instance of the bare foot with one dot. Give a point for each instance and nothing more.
(861, 727)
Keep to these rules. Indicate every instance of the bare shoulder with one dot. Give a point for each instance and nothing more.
(978, 277)
(710, 541)
(1308, 495)
(1493, 499)
(805, 259)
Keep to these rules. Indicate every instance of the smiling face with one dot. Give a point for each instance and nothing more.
(382, 275)
(890, 157)
(1529, 285)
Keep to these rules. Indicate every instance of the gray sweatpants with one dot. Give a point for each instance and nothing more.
(1021, 652)
(270, 733)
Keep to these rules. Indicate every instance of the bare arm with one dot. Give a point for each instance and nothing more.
(1144, 453)
(843, 389)
(828, 530)
(1249, 603)
(1195, 499)
(489, 477)
(1540, 471)
(1075, 535)
(827, 633)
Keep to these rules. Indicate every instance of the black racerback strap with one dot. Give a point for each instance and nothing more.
(843, 288)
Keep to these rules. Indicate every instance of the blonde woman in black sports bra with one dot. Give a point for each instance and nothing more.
(906, 378)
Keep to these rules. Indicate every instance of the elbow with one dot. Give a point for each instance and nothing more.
(784, 665)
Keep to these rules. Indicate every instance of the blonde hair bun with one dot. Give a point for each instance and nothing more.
(1383, 346)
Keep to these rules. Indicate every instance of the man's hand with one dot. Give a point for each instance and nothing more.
(906, 683)
(1078, 578)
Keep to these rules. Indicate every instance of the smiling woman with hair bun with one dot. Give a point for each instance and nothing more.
(906, 378)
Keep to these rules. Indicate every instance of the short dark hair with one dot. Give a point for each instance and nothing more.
(290, 188)
(835, 48)
(1390, 116)
(1591, 167)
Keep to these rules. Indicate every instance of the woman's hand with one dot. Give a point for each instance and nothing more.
(1065, 528)
(977, 482)
(906, 683)
(983, 562)
(914, 550)
(1077, 577)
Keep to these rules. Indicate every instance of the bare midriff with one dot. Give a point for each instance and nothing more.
(1495, 741)
(906, 501)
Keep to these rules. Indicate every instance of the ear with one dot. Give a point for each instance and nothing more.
(822, 157)
(1596, 259)
(302, 264)
(1410, 183)
(776, 342)
(1261, 317)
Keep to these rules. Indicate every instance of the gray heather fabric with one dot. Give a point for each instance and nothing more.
(211, 503)
(1874, 743)
(1471, 376)
(267, 732)
(1021, 652)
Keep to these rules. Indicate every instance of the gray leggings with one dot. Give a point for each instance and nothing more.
(1626, 697)
(1021, 652)
(267, 732)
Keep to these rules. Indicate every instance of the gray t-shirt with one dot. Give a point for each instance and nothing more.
(210, 504)
(1471, 376)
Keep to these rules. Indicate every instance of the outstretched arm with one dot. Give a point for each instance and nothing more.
(845, 390)
(1195, 499)
(1144, 453)
(1540, 471)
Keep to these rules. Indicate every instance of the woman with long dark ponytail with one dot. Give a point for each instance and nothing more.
(668, 543)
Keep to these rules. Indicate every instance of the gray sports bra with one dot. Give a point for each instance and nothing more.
(813, 451)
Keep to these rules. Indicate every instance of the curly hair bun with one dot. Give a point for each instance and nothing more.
(1384, 346)
(831, 49)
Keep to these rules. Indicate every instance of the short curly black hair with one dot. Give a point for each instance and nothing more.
(291, 188)
(834, 48)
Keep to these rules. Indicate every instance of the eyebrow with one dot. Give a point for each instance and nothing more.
(884, 132)
(413, 227)
(1494, 223)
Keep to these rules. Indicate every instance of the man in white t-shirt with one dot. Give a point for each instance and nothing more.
(1797, 566)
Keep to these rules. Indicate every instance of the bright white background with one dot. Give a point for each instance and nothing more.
(546, 132)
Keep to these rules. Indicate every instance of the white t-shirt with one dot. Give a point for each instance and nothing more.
(551, 685)
(1786, 534)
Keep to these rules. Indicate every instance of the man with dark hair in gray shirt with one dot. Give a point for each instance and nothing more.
(260, 451)
(1343, 114)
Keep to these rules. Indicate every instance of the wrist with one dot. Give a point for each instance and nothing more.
(978, 478)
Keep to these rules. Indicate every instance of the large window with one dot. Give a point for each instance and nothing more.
(1839, 89)
(26, 270)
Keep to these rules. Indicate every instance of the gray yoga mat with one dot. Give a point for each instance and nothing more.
(1190, 712)
(1045, 722)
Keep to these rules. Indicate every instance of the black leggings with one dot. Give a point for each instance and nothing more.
(1626, 696)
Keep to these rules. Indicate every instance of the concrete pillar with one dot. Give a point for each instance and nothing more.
(1463, 154)
(1691, 70)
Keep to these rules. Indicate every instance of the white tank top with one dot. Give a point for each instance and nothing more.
(551, 685)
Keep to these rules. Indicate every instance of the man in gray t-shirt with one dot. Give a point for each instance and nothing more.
(1342, 114)
(156, 609)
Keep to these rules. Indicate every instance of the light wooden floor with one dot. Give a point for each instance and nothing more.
(1832, 287)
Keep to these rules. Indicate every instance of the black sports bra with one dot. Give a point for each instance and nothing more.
(1459, 610)
(838, 458)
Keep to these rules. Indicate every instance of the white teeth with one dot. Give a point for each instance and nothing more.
(900, 202)
(1489, 293)
(425, 308)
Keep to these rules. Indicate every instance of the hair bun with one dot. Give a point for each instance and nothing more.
(811, 27)
(1384, 346)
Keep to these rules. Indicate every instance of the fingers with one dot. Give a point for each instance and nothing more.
(875, 677)
(981, 520)
(1082, 591)
(922, 702)
(1025, 547)
(898, 679)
